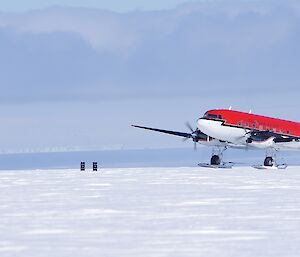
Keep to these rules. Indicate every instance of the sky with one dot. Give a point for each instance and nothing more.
(113, 5)
(77, 78)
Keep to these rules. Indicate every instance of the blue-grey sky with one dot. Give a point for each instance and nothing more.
(114, 5)
(77, 77)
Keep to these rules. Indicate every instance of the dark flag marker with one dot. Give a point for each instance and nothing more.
(82, 166)
(95, 166)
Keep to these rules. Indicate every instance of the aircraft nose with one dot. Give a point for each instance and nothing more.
(201, 120)
(202, 124)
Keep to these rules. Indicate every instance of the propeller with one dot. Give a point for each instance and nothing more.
(193, 135)
(247, 135)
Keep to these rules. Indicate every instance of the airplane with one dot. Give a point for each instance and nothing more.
(226, 128)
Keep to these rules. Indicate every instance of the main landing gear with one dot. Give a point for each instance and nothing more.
(217, 156)
(270, 162)
(216, 160)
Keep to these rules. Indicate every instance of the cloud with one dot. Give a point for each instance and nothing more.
(194, 50)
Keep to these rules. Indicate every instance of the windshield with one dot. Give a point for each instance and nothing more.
(212, 116)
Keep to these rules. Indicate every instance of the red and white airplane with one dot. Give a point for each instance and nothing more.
(222, 129)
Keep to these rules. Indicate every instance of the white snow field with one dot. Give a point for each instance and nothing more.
(150, 212)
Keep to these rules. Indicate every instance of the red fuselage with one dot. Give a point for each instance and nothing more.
(255, 122)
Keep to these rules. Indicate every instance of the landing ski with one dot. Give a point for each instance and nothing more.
(224, 165)
(275, 167)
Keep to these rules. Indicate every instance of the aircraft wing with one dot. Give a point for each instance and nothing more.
(170, 132)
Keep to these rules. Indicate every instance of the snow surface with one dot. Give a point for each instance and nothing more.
(150, 212)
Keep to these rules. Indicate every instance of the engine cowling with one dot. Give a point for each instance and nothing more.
(268, 143)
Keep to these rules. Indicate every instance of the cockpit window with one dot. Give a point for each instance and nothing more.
(214, 116)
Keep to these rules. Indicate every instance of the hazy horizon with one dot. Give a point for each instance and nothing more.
(77, 78)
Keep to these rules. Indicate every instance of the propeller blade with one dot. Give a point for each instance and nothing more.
(195, 146)
(189, 127)
(247, 133)
(185, 139)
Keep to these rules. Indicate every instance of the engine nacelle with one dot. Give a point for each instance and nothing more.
(269, 143)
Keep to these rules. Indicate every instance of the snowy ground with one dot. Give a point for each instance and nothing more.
(150, 212)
